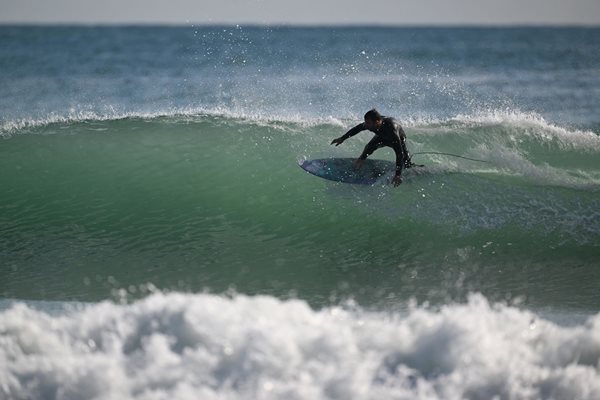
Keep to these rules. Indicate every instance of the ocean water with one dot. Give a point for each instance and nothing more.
(159, 240)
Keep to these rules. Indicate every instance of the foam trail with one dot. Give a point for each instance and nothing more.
(213, 347)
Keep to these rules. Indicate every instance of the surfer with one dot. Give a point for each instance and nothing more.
(388, 133)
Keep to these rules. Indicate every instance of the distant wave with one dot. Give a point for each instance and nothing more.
(213, 347)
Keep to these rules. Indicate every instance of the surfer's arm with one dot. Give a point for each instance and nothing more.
(399, 163)
(373, 145)
(358, 128)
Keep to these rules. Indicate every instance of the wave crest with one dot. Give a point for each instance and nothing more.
(25, 125)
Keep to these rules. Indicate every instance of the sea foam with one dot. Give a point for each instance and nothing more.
(201, 346)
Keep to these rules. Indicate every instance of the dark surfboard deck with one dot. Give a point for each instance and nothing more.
(342, 170)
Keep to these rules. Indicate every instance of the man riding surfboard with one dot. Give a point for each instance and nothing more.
(388, 133)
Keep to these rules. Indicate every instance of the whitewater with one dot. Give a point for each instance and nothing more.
(214, 347)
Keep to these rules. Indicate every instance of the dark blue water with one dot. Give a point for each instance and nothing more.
(307, 72)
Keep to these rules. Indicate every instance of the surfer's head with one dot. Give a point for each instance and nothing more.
(373, 120)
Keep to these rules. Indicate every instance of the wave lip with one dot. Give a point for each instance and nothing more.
(24, 125)
(208, 346)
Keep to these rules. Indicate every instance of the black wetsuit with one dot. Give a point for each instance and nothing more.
(390, 134)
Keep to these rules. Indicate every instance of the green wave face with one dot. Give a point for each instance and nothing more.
(208, 202)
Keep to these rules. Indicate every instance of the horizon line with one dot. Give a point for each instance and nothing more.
(295, 24)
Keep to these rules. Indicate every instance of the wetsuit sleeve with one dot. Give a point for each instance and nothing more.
(400, 132)
(399, 158)
(373, 145)
(399, 146)
(358, 128)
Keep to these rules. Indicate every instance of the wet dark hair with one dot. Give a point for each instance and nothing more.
(373, 115)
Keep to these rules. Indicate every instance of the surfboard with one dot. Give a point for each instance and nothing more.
(342, 170)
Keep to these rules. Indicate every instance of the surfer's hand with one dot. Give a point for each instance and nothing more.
(358, 164)
(337, 141)
(397, 180)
